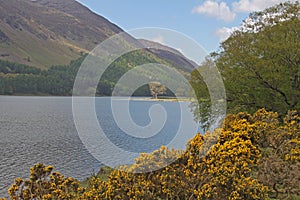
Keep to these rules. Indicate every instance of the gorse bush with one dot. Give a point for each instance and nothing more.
(254, 157)
(45, 184)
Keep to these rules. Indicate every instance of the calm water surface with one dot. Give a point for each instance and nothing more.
(41, 129)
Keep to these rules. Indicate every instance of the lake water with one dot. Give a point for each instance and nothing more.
(42, 130)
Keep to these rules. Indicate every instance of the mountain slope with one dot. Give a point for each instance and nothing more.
(43, 33)
(172, 56)
(49, 32)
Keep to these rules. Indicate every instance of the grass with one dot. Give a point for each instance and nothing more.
(103, 174)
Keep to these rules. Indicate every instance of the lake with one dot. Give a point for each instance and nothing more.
(42, 130)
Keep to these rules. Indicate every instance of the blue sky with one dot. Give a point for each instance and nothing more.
(206, 21)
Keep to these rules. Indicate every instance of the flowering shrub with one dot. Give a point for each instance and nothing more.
(250, 157)
(45, 184)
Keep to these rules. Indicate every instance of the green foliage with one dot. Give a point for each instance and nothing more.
(21, 79)
(15, 68)
(59, 80)
(260, 64)
(202, 106)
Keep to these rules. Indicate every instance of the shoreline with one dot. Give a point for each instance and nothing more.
(183, 99)
(167, 99)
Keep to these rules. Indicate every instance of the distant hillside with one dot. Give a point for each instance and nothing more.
(43, 42)
(43, 33)
(172, 56)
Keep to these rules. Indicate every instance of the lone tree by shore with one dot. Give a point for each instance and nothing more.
(157, 88)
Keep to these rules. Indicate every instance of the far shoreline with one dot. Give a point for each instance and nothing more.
(135, 98)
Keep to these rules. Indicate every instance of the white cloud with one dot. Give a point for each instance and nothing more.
(159, 39)
(254, 5)
(225, 32)
(215, 9)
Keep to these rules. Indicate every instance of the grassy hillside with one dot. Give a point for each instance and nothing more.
(43, 33)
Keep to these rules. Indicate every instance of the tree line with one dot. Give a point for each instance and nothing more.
(59, 80)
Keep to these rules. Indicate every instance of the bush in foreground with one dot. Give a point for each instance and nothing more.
(254, 157)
